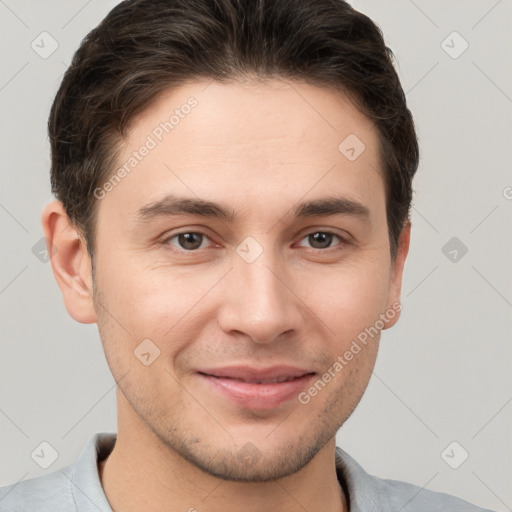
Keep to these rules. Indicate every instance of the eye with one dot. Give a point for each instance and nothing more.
(188, 241)
(322, 239)
(191, 241)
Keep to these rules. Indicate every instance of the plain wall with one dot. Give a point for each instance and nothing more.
(443, 373)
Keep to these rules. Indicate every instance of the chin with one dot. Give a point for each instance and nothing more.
(250, 462)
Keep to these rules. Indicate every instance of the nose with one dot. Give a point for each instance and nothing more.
(258, 300)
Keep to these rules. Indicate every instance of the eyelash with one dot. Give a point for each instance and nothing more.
(343, 241)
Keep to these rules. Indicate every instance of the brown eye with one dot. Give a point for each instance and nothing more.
(187, 240)
(322, 239)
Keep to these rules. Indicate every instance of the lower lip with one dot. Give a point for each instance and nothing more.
(257, 396)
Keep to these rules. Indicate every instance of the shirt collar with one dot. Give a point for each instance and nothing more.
(88, 493)
(361, 489)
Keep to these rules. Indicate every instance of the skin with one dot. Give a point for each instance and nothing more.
(258, 148)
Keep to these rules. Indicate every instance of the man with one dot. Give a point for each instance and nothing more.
(233, 183)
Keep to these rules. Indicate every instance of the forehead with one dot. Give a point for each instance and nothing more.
(271, 111)
(244, 142)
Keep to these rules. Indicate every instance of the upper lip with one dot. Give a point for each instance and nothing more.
(250, 373)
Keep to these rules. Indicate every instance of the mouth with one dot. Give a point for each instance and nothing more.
(254, 388)
(277, 380)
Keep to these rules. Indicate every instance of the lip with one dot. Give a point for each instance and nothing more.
(229, 382)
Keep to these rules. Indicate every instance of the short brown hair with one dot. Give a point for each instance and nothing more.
(144, 47)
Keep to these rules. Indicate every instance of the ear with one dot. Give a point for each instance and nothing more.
(70, 261)
(397, 270)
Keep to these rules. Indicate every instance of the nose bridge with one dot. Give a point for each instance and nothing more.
(258, 301)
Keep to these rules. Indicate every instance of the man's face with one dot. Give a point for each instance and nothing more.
(265, 288)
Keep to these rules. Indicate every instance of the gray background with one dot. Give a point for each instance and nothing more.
(443, 373)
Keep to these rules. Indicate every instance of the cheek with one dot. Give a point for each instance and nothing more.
(347, 298)
(134, 293)
(164, 305)
(348, 389)
(133, 327)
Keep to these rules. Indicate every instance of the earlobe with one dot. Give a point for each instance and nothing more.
(70, 262)
(396, 274)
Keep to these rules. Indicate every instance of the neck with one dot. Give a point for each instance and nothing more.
(143, 473)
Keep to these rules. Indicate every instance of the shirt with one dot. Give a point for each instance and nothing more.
(77, 488)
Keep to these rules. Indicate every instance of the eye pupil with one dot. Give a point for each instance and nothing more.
(322, 238)
(186, 240)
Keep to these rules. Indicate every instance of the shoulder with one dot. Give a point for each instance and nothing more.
(51, 492)
(76, 487)
(408, 497)
(370, 493)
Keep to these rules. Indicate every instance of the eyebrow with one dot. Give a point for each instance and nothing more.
(172, 204)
